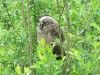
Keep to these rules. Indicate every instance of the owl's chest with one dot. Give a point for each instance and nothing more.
(47, 35)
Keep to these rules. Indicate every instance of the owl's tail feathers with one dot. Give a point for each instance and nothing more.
(57, 50)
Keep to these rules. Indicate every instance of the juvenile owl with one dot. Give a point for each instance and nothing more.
(48, 29)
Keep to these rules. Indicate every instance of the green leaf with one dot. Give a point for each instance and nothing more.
(96, 26)
(76, 52)
(48, 48)
(18, 70)
(96, 44)
(27, 71)
(35, 66)
(42, 42)
(88, 65)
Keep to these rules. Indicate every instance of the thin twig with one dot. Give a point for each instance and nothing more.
(29, 36)
(62, 10)
(59, 27)
(24, 16)
(67, 36)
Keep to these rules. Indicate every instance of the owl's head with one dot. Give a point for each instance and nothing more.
(46, 21)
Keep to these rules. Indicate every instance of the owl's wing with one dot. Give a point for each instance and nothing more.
(56, 33)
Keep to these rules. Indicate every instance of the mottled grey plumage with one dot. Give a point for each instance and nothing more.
(48, 29)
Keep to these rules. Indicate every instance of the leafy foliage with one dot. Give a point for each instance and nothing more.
(84, 56)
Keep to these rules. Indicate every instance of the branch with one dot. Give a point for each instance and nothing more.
(30, 37)
(62, 10)
(67, 26)
(67, 36)
(59, 27)
(29, 29)
(24, 17)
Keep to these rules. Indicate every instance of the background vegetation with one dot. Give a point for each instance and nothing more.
(80, 21)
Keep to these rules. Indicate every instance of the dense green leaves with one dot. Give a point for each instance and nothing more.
(84, 56)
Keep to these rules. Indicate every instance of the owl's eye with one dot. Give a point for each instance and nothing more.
(44, 22)
(51, 22)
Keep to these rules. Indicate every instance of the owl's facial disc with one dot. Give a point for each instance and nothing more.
(46, 21)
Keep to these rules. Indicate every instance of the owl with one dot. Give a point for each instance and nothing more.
(48, 29)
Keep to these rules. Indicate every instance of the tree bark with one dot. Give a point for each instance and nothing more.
(30, 38)
(67, 37)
